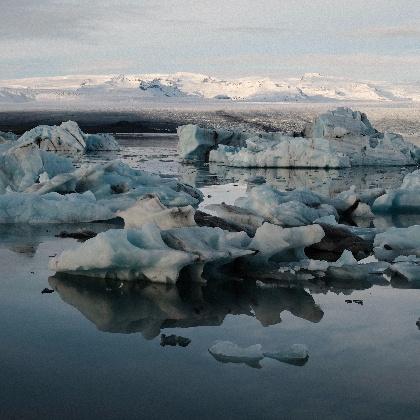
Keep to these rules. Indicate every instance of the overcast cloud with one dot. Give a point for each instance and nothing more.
(372, 39)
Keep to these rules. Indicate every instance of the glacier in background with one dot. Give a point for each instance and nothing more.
(311, 87)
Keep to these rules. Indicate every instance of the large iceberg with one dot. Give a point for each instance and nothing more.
(159, 254)
(336, 139)
(281, 152)
(65, 138)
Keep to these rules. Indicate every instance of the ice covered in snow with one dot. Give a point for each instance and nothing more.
(108, 89)
(396, 242)
(405, 199)
(336, 139)
(149, 209)
(65, 138)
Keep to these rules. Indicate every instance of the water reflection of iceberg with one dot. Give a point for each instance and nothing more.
(148, 308)
(323, 181)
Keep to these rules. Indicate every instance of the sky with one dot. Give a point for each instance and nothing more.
(360, 39)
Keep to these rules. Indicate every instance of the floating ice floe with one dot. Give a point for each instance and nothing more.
(110, 187)
(65, 138)
(405, 199)
(132, 254)
(396, 242)
(125, 254)
(51, 208)
(336, 139)
(295, 208)
(228, 352)
(408, 267)
(281, 152)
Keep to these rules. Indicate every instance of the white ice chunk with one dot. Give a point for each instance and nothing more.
(126, 255)
(51, 208)
(295, 208)
(275, 241)
(149, 209)
(397, 241)
(405, 199)
(282, 152)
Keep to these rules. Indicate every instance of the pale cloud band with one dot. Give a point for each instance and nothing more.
(369, 39)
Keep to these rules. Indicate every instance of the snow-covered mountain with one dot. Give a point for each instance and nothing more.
(311, 87)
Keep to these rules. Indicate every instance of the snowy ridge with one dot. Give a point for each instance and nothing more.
(311, 87)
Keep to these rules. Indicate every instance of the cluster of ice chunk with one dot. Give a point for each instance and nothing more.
(156, 254)
(336, 139)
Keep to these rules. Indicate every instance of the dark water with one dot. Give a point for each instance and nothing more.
(91, 349)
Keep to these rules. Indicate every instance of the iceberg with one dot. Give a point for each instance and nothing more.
(133, 254)
(42, 182)
(149, 209)
(51, 208)
(397, 242)
(407, 267)
(120, 184)
(272, 241)
(195, 142)
(295, 208)
(125, 254)
(405, 199)
(337, 139)
(65, 138)
(281, 152)
(20, 168)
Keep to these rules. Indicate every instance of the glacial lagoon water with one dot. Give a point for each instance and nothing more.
(92, 348)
